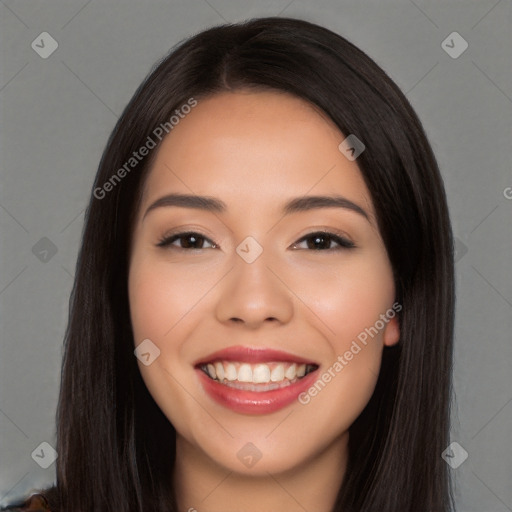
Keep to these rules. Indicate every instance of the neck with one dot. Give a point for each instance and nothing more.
(202, 485)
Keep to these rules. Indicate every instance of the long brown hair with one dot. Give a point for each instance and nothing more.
(116, 448)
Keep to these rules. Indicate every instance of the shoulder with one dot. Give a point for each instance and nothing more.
(35, 503)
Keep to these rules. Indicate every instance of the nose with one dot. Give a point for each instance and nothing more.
(255, 293)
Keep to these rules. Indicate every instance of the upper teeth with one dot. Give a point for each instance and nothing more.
(256, 373)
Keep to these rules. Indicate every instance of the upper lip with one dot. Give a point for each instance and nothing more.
(252, 355)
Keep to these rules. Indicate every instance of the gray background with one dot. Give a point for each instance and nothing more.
(56, 115)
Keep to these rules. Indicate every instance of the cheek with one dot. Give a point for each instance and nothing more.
(146, 305)
(160, 296)
(350, 305)
(350, 298)
(160, 314)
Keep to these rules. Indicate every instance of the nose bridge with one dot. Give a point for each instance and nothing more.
(254, 292)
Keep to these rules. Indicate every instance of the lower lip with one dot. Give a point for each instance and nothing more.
(254, 402)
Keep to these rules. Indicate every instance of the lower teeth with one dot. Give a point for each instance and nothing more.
(251, 386)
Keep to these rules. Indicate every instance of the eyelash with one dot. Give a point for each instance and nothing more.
(343, 243)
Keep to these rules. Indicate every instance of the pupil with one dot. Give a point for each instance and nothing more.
(194, 241)
(319, 239)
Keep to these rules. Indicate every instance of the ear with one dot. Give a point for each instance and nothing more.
(391, 335)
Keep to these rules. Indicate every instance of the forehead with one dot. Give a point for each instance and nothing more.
(254, 148)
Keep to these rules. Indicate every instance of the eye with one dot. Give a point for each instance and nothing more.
(321, 241)
(192, 240)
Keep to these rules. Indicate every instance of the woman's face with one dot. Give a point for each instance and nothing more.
(290, 323)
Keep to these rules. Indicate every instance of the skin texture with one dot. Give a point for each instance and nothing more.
(254, 151)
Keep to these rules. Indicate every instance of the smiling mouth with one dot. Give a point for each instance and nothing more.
(259, 377)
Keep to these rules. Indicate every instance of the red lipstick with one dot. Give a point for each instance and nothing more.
(243, 383)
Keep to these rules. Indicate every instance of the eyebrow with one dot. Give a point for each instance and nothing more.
(295, 205)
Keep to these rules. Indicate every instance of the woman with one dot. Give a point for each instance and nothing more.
(262, 314)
